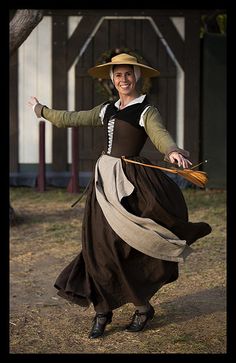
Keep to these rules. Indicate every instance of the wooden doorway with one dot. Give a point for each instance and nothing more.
(139, 36)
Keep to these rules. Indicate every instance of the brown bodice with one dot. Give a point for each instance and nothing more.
(128, 136)
(128, 140)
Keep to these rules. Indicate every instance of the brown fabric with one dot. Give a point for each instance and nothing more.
(143, 234)
(108, 272)
(130, 146)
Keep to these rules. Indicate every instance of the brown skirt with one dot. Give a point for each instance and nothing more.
(108, 272)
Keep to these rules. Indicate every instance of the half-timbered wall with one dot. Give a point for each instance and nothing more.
(53, 63)
(135, 33)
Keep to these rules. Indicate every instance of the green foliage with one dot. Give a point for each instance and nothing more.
(222, 23)
(215, 23)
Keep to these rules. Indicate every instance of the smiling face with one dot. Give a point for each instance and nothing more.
(124, 80)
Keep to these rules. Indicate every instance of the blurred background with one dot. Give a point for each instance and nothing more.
(50, 58)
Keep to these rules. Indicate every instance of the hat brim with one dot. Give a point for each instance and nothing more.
(103, 70)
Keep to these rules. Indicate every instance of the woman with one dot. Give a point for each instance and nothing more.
(135, 227)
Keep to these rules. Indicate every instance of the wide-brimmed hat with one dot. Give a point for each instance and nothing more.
(103, 70)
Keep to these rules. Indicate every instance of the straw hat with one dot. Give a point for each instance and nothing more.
(103, 70)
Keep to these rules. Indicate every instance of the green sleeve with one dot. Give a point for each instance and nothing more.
(158, 134)
(72, 118)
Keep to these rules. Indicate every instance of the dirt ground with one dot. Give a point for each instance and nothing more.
(190, 312)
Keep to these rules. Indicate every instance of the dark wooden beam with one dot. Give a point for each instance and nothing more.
(41, 178)
(59, 89)
(171, 36)
(79, 37)
(114, 12)
(192, 85)
(13, 96)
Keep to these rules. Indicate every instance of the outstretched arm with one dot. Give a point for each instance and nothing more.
(162, 139)
(61, 118)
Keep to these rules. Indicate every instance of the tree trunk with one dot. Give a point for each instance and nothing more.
(12, 216)
(21, 25)
(22, 22)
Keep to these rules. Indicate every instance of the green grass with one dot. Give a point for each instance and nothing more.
(51, 194)
(212, 198)
(194, 197)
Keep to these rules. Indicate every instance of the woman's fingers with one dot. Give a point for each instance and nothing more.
(175, 157)
(33, 101)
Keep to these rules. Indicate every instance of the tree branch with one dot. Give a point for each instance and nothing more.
(22, 24)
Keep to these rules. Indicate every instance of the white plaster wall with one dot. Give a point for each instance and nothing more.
(35, 79)
(179, 23)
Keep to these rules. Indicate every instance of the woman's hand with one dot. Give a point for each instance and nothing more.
(175, 157)
(33, 101)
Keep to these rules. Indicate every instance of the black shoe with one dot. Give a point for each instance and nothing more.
(100, 321)
(139, 320)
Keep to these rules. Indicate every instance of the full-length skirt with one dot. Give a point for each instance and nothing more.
(108, 272)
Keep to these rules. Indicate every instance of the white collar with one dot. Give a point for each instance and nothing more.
(136, 100)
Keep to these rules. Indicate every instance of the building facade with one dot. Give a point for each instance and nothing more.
(52, 65)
